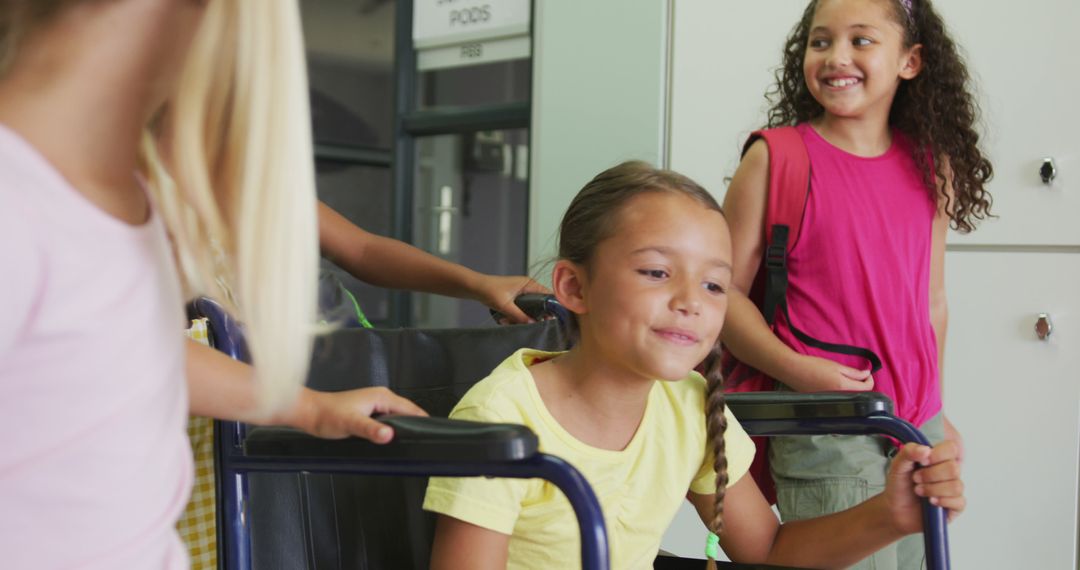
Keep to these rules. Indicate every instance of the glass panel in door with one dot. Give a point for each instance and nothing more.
(470, 207)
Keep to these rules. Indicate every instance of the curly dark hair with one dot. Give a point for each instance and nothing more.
(935, 109)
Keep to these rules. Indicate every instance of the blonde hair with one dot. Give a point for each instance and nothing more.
(243, 205)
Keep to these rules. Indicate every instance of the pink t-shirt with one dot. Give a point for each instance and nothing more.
(95, 465)
(860, 270)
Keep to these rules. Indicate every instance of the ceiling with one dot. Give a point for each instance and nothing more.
(355, 32)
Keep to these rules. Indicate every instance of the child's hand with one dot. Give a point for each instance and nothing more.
(498, 292)
(954, 436)
(824, 375)
(335, 415)
(939, 481)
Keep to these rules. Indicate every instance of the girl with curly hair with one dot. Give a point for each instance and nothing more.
(880, 96)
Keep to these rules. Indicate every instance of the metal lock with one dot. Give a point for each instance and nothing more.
(1048, 171)
(1044, 327)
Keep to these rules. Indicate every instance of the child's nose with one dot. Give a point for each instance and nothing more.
(687, 299)
(839, 55)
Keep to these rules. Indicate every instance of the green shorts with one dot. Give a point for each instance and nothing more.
(820, 475)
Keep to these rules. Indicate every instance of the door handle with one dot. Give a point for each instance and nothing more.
(1048, 171)
(1044, 327)
(445, 212)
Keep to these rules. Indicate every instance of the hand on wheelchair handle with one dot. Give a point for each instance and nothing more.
(536, 306)
(920, 472)
(335, 415)
(500, 293)
(952, 434)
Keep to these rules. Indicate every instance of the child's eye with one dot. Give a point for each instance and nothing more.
(653, 273)
(819, 43)
(714, 288)
(861, 42)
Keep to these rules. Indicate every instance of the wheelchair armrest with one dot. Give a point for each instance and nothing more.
(752, 406)
(418, 439)
(849, 413)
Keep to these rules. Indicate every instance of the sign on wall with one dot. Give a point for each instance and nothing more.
(451, 33)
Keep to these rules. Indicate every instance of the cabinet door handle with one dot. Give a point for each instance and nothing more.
(1044, 326)
(1048, 171)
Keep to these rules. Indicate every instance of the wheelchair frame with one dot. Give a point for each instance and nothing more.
(287, 450)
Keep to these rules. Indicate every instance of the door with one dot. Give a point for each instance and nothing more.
(421, 111)
(350, 57)
(1025, 65)
(1015, 399)
(1013, 396)
(463, 140)
(471, 208)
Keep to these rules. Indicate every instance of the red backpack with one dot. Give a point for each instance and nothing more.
(789, 189)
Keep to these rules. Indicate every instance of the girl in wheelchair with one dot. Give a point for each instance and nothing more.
(644, 265)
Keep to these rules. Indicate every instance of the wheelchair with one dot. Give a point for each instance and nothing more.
(289, 500)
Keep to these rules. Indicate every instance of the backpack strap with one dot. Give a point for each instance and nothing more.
(789, 189)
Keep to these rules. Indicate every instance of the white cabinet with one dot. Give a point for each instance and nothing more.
(1024, 62)
(1015, 398)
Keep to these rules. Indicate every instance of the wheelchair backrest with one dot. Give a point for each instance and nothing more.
(369, 522)
(434, 368)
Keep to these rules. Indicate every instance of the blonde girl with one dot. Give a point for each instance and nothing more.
(94, 374)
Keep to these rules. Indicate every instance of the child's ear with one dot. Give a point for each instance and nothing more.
(568, 283)
(913, 64)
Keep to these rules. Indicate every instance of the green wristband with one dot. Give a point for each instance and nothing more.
(712, 546)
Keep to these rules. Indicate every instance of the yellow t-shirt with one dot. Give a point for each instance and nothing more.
(640, 488)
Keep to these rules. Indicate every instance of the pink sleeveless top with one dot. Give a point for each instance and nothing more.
(860, 270)
(95, 465)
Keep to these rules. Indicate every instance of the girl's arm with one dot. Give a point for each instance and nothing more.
(745, 331)
(223, 388)
(939, 306)
(753, 534)
(459, 544)
(939, 314)
(386, 262)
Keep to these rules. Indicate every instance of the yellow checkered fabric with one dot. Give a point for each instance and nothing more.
(198, 526)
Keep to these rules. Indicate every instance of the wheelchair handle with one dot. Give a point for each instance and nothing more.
(418, 439)
(537, 306)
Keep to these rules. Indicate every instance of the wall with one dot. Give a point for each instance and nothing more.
(599, 97)
(718, 92)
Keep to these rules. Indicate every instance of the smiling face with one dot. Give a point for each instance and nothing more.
(856, 58)
(651, 302)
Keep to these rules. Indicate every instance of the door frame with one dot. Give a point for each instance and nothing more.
(411, 123)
